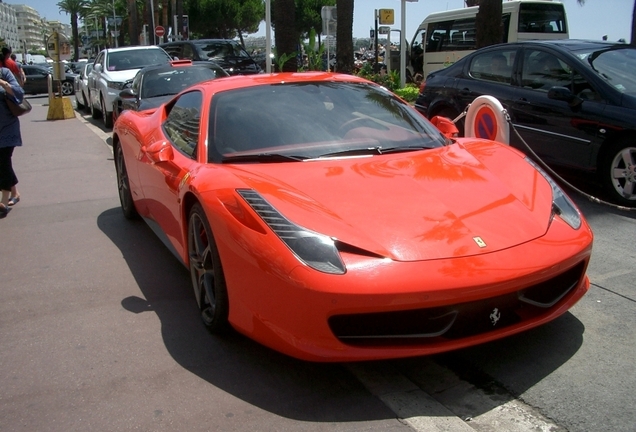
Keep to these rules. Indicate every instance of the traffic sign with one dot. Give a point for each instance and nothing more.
(160, 31)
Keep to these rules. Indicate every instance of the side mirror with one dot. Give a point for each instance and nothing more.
(160, 151)
(445, 126)
(565, 95)
(127, 94)
(97, 68)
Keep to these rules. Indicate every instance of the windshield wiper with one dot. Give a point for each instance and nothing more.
(263, 157)
(379, 150)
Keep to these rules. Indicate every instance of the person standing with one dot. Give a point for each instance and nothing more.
(9, 63)
(22, 78)
(10, 138)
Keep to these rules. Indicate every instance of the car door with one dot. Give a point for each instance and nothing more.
(36, 80)
(93, 79)
(559, 132)
(168, 160)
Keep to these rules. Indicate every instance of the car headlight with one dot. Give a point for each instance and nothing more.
(316, 250)
(115, 85)
(562, 205)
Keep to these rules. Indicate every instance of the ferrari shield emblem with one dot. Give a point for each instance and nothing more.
(480, 242)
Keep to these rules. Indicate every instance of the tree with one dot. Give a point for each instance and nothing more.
(488, 27)
(286, 34)
(344, 34)
(75, 8)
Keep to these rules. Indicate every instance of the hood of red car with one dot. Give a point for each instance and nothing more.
(458, 200)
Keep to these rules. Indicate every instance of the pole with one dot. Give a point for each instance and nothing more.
(377, 59)
(115, 21)
(152, 15)
(268, 37)
(403, 46)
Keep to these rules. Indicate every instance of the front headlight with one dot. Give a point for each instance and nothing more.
(115, 85)
(562, 205)
(316, 250)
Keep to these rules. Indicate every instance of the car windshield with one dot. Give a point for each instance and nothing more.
(136, 59)
(220, 49)
(616, 65)
(298, 121)
(161, 82)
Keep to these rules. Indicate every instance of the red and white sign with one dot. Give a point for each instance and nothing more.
(160, 31)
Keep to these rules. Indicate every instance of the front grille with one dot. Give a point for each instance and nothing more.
(431, 325)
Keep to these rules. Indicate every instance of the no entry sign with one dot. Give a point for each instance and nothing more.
(160, 31)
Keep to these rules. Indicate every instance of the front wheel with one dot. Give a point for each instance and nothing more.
(618, 172)
(208, 279)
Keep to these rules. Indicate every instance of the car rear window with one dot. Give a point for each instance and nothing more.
(136, 59)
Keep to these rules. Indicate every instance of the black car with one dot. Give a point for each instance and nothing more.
(154, 85)
(572, 101)
(37, 80)
(227, 53)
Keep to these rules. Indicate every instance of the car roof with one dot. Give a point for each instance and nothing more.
(132, 48)
(181, 63)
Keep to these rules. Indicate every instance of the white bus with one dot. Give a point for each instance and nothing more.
(445, 37)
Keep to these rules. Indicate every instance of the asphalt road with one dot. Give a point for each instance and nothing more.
(99, 331)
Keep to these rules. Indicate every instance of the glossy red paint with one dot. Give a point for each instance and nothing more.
(408, 225)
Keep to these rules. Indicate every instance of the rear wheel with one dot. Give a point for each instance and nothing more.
(108, 117)
(94, 112)
(617, 171)
(123, 186)
(67, 88)
(208, 279)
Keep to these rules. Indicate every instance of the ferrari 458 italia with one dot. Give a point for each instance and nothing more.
(324, 217)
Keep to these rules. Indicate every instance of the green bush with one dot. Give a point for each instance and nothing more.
(408, 93)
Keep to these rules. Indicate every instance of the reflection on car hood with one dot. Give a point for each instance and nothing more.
(412, 206)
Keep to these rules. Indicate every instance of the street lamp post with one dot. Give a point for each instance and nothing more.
(115, 22)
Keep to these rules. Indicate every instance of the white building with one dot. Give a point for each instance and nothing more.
(9, 26)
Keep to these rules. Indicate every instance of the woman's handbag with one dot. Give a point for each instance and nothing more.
(18, 109)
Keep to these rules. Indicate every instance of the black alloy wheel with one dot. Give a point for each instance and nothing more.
(207, 275)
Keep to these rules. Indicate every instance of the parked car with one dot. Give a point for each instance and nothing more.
(154, 85)
(227, 53)
(37, 80)
(322, 216)
(81, 86)
(112, 68)
(572, 101)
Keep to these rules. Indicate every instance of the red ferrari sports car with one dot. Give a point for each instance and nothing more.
(324, 217)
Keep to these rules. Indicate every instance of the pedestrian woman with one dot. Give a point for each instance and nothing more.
(10, 138)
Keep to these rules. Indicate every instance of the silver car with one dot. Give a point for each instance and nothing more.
(112, 68)
(81, 86)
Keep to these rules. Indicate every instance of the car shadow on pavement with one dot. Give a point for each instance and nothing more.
(302, 390)
(233, 363)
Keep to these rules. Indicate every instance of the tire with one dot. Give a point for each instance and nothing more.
(67, 88)
(108, 118)
(86, 107)
(95, 113)
(80, 106)
(208, 280)
(123, 185)
(617, 171)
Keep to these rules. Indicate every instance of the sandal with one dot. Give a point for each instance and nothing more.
(13, 201)
(4, 210)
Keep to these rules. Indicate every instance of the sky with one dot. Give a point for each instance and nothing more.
(590, 21)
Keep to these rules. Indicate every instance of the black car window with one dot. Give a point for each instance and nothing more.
(188, 52)
(182, 125)
(173, 50)
(493, 65)
(543, 70)
(162, 82)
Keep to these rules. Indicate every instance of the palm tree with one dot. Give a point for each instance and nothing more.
(344, 35)
(75, 8)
